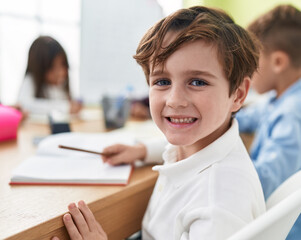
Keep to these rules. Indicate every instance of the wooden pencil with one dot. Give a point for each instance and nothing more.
(84, 150)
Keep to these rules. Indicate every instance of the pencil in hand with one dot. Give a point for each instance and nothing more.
(84, 150)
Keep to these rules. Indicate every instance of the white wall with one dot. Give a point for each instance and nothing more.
(110, 33)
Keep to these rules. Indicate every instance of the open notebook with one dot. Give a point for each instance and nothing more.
(55, 166)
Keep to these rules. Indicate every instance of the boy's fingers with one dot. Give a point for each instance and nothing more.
(117, 154)
(90, 219)
(71, 228)
(101, 231)
(78, 219)
(113, 149)
(116, 160)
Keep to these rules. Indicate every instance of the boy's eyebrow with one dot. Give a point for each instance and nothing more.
(156, 73)
(198, 72)
(188, 72)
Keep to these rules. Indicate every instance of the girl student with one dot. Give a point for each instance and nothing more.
(46, 84)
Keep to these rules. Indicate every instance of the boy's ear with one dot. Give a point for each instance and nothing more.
(241, 94)
(280, 61)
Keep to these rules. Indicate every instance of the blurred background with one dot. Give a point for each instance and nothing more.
(100, 37)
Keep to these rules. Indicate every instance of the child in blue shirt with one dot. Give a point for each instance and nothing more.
(276, 121)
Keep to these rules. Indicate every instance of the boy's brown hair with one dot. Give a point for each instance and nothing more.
(280, 29)
(237, 51)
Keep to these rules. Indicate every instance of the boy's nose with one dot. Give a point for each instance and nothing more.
(177, 98)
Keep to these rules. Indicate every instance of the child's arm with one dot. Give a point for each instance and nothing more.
(140, 111)
(120, 153)
(247, 120)
(149, 151)
(278, 156)
(249, 117)
(82, 224)
(75, 106)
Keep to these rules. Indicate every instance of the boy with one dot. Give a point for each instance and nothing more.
(276, 149)
(198, 64)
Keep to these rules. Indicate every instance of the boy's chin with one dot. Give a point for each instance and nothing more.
(177, 141)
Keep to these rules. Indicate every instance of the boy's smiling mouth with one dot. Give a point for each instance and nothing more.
(178, 120)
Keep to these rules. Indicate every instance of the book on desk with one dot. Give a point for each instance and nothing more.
(52, 165)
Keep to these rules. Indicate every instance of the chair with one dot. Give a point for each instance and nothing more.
(284, 207)
(292, 184)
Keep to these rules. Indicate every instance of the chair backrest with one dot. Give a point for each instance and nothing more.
(275, 223)
(289, 186)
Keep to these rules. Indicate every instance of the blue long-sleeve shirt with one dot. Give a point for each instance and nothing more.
(276, 149)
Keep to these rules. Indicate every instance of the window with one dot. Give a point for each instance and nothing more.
(21, 22)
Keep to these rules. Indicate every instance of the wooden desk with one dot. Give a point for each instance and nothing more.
(35, 212)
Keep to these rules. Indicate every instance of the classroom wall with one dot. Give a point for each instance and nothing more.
(244, 12)
(110, 33)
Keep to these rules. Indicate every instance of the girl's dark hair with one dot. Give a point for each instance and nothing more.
(238, 51)
(41, 55)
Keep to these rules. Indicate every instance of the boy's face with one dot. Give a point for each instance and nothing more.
(189, 99)
(263, 80)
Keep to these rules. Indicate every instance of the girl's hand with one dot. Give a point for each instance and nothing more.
(140, 111)
(120, 153)
(82, 225)
(75, 107)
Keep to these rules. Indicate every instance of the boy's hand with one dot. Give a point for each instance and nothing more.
(82, 224)
(120, 153)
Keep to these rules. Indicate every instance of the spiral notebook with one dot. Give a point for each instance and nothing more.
(52, 165)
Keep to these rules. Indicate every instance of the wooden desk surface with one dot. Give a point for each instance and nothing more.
(35, 212)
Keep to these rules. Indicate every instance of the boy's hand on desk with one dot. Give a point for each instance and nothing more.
(120, 153)
(82, 224)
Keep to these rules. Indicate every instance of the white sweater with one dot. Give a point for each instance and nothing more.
(209, 195)
(57, 98)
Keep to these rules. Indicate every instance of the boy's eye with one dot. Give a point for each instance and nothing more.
(198, 82)
(162, 82)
